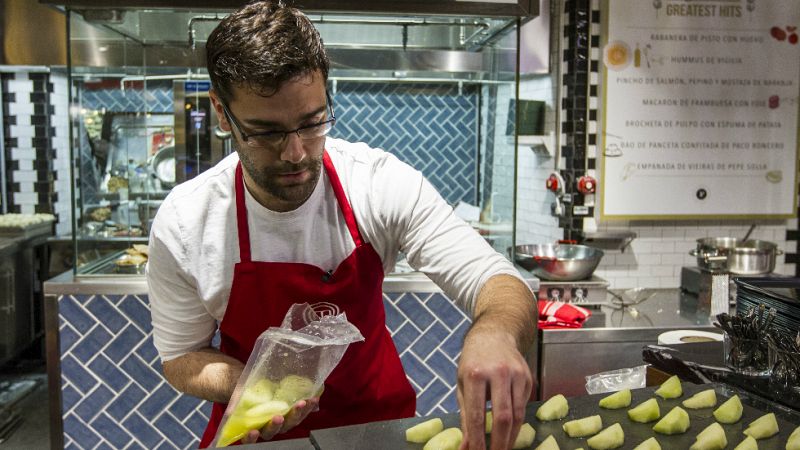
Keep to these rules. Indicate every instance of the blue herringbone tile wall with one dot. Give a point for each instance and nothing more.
(114, 395)
(113, 392)
(154, 100)
(428, 330)
(432, 127)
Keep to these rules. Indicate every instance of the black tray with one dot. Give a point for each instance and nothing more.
(390, 435)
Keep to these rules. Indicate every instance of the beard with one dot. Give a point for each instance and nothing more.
(266, 177)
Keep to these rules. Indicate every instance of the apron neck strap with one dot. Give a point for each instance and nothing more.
(241, 216)
(241, 209)
(344, 205)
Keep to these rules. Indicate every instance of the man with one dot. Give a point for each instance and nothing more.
(294, 216)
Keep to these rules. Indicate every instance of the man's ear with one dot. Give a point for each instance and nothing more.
(223, 118)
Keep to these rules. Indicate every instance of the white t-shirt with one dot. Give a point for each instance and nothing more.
(194, 242)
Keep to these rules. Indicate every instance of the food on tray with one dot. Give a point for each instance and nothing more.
(554, 408)
(711, 438)
(549, 444)
(730, 411)
(751, 444)
(422, 432)
(133, 257)
(583, 427)
(647, 411)
(763, 427)
(611, 437)
(649, 444)
(100, 214)
(617, 400)
(794, 440)
(130, 260)
(449, 439)
(13, 221)
(675, 422)
(293, 388)
(670, 388)
(703, 399)
(525, 436)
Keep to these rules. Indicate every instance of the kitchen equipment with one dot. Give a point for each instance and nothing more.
(592, 291)
(739, 257)
(390, 435)
(560, 262)
(162, 165)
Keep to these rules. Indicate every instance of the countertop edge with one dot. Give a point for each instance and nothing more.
(68, 283)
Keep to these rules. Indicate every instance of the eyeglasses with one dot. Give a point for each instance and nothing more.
(275, 139)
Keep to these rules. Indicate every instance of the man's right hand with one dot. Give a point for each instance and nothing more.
(280, 424)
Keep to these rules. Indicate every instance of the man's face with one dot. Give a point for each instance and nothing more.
(280, 176)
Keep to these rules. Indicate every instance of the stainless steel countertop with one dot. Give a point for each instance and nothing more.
(667, 309)
(69, 284)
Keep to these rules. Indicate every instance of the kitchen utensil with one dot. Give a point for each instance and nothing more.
(560, 262)
(750, 257)
(162, 165)
(749, 232)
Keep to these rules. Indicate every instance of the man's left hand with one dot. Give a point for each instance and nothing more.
(491, 368)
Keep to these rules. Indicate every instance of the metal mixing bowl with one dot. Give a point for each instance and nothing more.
(558, 262)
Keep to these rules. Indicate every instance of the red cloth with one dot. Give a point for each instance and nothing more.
(561, 315)
(369, 383)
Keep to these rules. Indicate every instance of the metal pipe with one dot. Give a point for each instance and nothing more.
(214, 18)
(334, 79)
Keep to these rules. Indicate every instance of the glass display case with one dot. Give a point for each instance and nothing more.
(436, 90)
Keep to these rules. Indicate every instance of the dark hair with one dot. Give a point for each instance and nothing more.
(261, 46)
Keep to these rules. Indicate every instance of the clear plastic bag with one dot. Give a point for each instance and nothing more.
(287, 364)
(616, 380)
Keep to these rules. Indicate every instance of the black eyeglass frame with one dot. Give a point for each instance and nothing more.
(247, 137)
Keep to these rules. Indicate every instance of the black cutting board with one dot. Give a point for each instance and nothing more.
(390, 435)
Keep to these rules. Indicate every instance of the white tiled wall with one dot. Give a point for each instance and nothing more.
(656, 256)
(59, 99)
(535, 223)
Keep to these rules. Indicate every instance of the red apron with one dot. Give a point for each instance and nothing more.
(369, 383)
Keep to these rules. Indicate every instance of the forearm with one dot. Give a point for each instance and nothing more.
(207, 374)
(506, 303)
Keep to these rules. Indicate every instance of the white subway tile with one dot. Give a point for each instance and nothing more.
(663, 247)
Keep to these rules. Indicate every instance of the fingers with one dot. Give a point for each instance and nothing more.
(503, 423)
(472, 386)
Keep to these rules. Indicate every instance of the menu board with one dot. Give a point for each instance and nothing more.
(700, 108)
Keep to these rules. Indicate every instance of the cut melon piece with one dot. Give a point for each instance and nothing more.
(258, 416)
(422, 432)
(233, 430)
(549, 444)
(488, 422)
(751, 444)
(647, 411)
(730, 411)
(704, 399)
(763, 427)
(293, 388)
(449, 439)
(649, 444)
(675, 422)
(617, 400)
(583, 427)
(611, 437)
(525, 436)
(259, 392)
(670, 388)
(794, 440)
(555, 408)
(711, 438)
